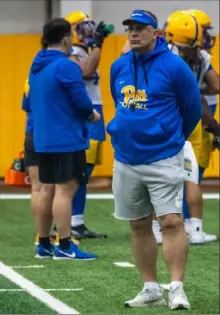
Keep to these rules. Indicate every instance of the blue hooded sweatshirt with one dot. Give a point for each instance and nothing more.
(157, 102)
(59, 103)
(25, 107)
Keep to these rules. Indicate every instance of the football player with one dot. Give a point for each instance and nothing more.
(187, 35)
(88, 40)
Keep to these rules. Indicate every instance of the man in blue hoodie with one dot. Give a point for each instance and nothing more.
(158, 105)
(60, 108)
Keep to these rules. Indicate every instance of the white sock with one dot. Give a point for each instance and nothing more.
(151, 286)
(77, 220)
(188, 226)
(196, 224)
(176, 284)
(156, 226)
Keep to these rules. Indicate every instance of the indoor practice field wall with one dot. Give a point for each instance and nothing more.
(16, 54)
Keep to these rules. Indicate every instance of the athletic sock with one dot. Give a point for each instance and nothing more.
(176, 284)
(151, 286)
(45, 242)
(65, 243)
(196, 224)
(156, 226)
(187, 226)
(77, 220)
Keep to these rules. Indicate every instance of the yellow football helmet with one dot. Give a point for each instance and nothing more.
(201, 17)
(205, 21)
(170, 18)
(182, 29)
(76, 17)
(83, 27)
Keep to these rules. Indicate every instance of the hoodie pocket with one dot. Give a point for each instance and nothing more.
(149, 132)
(136, 131)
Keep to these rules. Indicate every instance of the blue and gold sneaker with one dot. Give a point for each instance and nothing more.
(73, 252)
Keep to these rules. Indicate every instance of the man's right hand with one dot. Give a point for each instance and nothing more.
(95, 117)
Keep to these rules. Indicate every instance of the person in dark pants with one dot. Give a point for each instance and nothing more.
(60, 108)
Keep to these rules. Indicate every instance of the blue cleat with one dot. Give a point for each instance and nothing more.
(72, 253)
(44, 253)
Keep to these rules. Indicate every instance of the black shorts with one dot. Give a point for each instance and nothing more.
(55, 168)
(31, 158)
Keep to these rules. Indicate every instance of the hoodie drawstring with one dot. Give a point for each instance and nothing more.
(132, 107)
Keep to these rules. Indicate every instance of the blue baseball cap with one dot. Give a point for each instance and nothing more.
(141, 16)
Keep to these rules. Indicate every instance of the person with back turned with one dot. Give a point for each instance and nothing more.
(60, 108)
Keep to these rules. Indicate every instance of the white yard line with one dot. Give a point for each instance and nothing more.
(206, 196)
(47, 290)
(27, 267)
(124, 264)
(35, 291)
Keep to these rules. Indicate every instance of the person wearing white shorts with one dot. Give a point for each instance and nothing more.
(154, 115)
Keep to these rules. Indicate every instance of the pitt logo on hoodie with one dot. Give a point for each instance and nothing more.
(139, 97)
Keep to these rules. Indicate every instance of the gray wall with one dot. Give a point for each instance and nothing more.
(114, 12)
(22, 16)
(28, 16)
(67, 6)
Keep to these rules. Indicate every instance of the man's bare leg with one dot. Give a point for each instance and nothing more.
(175, 251)
(62, 207)
(144, 248)
(62, 210)
(145, 252)
(44, 210)
(175, 245)
(35, 187)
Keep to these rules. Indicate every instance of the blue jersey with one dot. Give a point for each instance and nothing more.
(26, 107)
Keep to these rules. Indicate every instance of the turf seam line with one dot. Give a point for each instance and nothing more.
(37, 292)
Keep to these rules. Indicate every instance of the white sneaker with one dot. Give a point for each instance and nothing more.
(148, 298)
(196, 237)
(178, 299)
(209, 237)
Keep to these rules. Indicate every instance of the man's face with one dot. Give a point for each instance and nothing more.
(140, 35)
